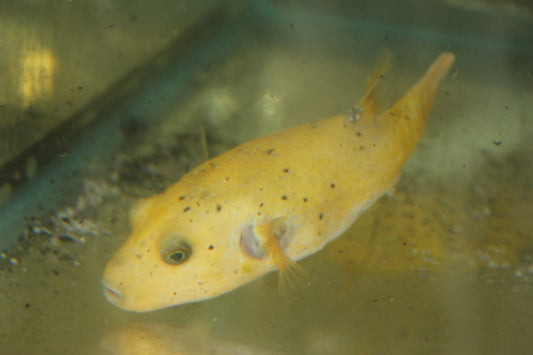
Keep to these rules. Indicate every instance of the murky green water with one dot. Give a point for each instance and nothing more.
(444, 265)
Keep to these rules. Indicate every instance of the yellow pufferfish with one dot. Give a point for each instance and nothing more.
(267, 203)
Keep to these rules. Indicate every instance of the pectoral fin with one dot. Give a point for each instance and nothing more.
(266, 240)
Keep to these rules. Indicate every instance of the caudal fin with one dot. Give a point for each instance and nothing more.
(438, 70)
(409, 114)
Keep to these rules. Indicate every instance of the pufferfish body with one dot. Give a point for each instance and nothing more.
(267, 203)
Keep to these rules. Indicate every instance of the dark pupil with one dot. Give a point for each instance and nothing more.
(177, 256)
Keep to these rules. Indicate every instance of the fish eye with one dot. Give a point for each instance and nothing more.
(177, 255)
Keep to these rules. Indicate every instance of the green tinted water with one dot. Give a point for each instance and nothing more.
(443, 265)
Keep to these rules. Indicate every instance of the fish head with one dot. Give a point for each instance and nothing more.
(173, 258)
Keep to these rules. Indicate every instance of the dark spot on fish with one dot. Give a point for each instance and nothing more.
(345, 125)
(374, 145)
(340, 251)
(359, 134)
(148, 250)
(55, 272)
(27, 305)
(306, 199)
(227, 178)
(182, 197)
(285, 170)
(291, 26)
(261, 204)
(361, 148)
(219, 208)
(284, 197)
(174, 293)
(332, 185)
(497, 143)
(211, 247)
(138, 256)
(213, 165)
(321, 216)
(187, 209)
(190, 220)
(260, 189)
(270, 151)
(198, 203)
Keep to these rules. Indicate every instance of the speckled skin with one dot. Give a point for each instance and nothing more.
(317, 177)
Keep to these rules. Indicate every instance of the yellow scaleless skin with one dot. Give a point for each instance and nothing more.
(268, 203)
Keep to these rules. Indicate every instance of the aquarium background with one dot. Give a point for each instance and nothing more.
(105, 102)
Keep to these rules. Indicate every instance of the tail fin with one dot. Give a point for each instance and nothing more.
(409, 114)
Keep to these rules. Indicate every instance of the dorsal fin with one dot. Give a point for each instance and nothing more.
(368, 103)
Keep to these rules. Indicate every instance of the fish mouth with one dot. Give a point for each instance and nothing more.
(112, 295)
